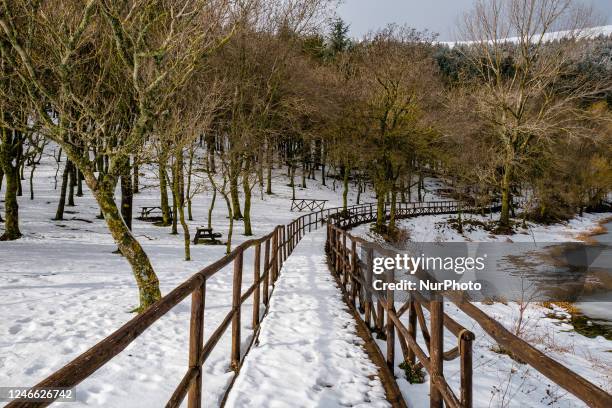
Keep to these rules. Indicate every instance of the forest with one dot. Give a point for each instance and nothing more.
(216, 94)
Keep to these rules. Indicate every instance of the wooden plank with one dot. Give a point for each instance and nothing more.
(436, 310)
(267, 269)
(236, 295)
(181, 390)
(390, 326)
(465, 350)
(196, 340)
(256, 284)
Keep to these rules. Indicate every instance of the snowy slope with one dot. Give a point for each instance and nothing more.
(556, 35)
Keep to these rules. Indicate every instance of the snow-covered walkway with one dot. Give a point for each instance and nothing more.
(308, 353)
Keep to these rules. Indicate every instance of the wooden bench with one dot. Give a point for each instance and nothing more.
(206, 234)
(152, 214)
(300, 204)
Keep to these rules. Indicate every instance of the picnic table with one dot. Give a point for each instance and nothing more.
(152, 213)
(207, 234)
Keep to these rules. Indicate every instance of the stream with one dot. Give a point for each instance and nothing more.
(594, 311)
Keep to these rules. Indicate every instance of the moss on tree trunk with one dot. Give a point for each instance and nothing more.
(146, 279)
(11, 206)
(163, 187)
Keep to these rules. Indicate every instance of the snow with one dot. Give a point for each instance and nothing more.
(586, 33)
(435, 228)
(308, 353)
(62, 290)
(498, 379)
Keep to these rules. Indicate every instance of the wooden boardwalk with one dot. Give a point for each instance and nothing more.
(269, 253)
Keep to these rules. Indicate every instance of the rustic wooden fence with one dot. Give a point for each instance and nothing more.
(273, 249)
(311, 204)
(381, 316)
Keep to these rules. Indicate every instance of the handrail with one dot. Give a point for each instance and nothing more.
(278, 246)
(345, 262)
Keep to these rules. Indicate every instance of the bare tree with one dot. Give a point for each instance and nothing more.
(526, 92)
(109, 69)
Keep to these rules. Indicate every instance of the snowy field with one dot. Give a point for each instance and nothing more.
(62, 290)
(436, 228)
(500, 381)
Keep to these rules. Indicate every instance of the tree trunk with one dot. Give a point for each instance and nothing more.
(346, 187)
(181, 203)
(247, 205)
(393, 209)
(79, 181)
(236, 213)
(189, 174)
(126, 197)
(304, 172)
(136, 176)
(175, 206)
(228, 245)
(31, 180)
(504, 218)
(148, 284)
(71, 184)
(380, 211)
(11, 206)
(163, 188)
(59, 213)
(1, 180)
(212, 207)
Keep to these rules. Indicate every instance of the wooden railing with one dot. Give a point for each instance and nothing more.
(274, 248)
(311, 204)
(381, 316)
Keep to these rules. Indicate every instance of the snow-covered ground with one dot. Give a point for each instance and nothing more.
(586, 33)
(62, 290)
(436, 228)
(308, 353)
(500, 381)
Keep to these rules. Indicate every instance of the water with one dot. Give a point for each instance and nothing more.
(595, 312)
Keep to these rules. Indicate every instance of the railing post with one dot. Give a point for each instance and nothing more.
(344, 256)
(236, 294)
(368, 287)
(390, 325)
(284, 244)
(354, 271)
(465, 349)
(256, 282)
(338, 253)
(196, 342)
(436, 311)
(267, 272)
(310, 222)
(276, 255)
(412, 328)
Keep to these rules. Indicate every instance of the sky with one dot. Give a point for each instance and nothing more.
(440, 16)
